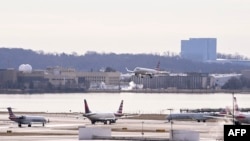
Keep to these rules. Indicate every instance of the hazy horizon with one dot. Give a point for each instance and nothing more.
(141, 26)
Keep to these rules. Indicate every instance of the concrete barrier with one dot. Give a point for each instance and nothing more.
(88, 133)
(184, 135)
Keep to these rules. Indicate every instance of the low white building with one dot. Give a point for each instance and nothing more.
(218, 80)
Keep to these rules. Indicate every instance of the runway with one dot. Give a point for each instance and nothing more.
(65, 127)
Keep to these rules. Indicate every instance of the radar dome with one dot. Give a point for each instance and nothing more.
(25, 68)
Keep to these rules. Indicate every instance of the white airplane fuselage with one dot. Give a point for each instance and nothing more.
(25, 119)
(29, 119)
(139, 71)
(94, 117)
(100, 117)
(243, 117)
(189, 116)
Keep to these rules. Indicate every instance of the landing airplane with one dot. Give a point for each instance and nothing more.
(98, 117)
(190, 116)
(141, 72)
(25, 119)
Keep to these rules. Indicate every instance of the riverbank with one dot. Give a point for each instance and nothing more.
(196, 91)
(201, 91)
(77, 115)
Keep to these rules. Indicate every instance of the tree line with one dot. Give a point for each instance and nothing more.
(93, 61)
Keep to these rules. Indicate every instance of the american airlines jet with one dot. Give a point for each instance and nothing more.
(119, 114)
(25, 119)
(190, 116)
(98, 117)
(240, 117)
(141, 72)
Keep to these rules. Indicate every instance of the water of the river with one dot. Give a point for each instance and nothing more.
(133, 102)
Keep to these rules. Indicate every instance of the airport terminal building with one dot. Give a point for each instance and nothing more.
(55, 79)
(58, 79)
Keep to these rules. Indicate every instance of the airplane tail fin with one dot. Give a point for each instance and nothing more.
(11, 114)
(228, 111)
(158, 66)
(236, 107)
(120, 108)
(119, 111)
(86, 107)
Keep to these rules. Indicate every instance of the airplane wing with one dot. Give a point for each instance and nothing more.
(129, 70)
(163, 72)
(89, 114)
(79, 117)
(224, 117)
(128, 116)
(106, 119)
(150, 74)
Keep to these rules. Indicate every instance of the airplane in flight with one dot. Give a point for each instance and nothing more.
(141, 72)
(98, 117)
(25, 119)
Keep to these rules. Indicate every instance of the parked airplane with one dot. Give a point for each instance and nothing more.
(98, 117)
(119, 114)
(25, 119)
(141, 72)
(190, 116)
(240, 117)
(234, 115)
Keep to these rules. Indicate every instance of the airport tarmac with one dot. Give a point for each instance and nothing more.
(65, 127)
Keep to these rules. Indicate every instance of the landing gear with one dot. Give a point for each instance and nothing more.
(93, 122)
(201, 120)
(107, 122)
(43, 124)
(29, 125)
(237, 123)
(19, 125)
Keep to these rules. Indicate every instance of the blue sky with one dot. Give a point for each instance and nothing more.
(128, 26)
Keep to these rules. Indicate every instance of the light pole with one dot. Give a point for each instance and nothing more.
(233, 109)
(171, 122)
(142, 133)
